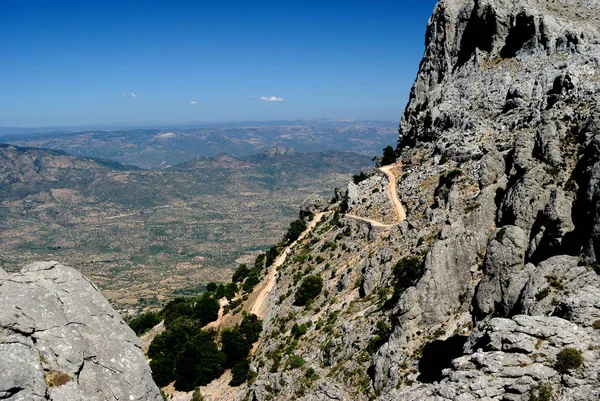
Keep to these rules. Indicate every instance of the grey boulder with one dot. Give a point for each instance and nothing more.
(61, 340)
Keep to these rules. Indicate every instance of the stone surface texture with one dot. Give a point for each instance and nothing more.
(61, 340)
(500, 143)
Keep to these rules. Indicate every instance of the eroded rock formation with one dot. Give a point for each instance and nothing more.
(502, 192)
(61, 340)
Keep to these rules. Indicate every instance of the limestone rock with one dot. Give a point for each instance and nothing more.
(491, 168)
(525, 199)
(504, 273)
(312, 205)
(551, 282)
(506, 102)
(61, 340)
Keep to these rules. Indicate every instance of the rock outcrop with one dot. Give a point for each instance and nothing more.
(61, 340)
(494, 274)
(312, 205)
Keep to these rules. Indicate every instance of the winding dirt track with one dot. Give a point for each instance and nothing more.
(220, 387)
(259, 305)
(258, 308)
(391, 190)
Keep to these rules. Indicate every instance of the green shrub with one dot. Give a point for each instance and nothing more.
(259, 262)
(234, 304)
(251, 327)
(240, 274)
(144, 322)
(452, 175)
(295, 362)
(211, 287)
(555, 282)
(542, 294)
(358, 178)
(184, 355)
(389, 156)
(220, 291)
(543, 392)
(234, 346)
(198, 363)
(500, 234)
(231, 290)
(309, 289)
(237, 342)
(189, 356)
(297, 227)
(381, 337)
(176, 308)
(568, 359)
(311, 374)
(298, 330)
(162, 370)
(272, 254)
(240, 373)
(205, 309)
(344, 206)
(335, 220)
(197, 396)
(251, 281)
(406, 273)
(443, 159)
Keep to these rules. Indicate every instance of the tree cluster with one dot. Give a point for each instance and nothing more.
(389, 156)
(191, 357)
(297, 227)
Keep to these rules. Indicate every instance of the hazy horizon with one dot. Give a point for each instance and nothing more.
(200, 124)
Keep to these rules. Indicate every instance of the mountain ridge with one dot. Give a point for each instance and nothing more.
(161, 148)
(489, 284)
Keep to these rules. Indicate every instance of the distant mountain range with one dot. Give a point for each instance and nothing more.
(159, 148)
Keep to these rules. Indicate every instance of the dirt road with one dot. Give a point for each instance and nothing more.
(393, 194)
(259, 305)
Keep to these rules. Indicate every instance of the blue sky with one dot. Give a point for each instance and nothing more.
(112, 62)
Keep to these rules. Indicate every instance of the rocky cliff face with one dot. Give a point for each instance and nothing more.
(61, 340)
(478, 294)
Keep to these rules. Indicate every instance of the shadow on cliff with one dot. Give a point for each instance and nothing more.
(437, 356)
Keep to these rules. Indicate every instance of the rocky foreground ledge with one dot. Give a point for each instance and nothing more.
(61, 340)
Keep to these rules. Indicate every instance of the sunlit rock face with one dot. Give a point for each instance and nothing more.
(500, 143)
(61, 340)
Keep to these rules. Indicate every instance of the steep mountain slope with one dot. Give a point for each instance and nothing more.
(144, 234)
(488, 290)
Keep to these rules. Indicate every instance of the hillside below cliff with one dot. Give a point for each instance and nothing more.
(489, 289)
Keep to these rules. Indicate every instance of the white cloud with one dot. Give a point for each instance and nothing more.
(123, 94)
(251, 97)
(193, 102)
(271, 99)
(134, 95)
